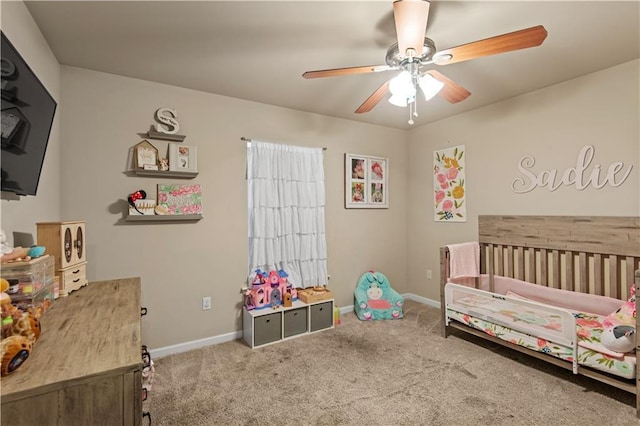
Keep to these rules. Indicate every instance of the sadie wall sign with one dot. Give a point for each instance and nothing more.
(582, 175)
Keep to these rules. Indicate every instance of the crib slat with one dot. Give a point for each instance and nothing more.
(629, 271)
(484, 254)
(491, 267)
(614, 277)
(598, 274)
(569, 264)
(510, 261)
(555, 268)
(544, 271)
(500, 253)
(532, 265)
(520, 262)
(583, 267)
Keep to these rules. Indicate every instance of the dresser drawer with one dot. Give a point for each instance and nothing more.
(72, 278)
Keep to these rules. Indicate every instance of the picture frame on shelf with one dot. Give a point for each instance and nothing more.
(182, 158)
(366, 182)
(145, 156)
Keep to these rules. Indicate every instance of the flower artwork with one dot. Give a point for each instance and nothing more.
(179, 199)
(448, 185)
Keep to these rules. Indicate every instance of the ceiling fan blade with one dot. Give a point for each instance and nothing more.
(347, 71)
(375, 97)
(411, 24)
(451, 91)
(522, 39)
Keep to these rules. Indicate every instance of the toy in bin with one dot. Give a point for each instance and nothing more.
(20, 331)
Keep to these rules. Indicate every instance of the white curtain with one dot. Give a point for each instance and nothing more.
(286, 211)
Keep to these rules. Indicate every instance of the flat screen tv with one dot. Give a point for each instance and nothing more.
(27, 115)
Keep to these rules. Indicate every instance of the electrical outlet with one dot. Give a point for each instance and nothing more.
(206, 303)
(429, 274)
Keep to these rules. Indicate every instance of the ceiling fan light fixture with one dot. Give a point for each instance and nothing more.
(429, 86)
(398, 101)
(401, 85)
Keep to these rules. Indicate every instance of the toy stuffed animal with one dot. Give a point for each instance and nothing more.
(619, 332)
(619, 338)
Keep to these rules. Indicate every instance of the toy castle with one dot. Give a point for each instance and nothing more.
(269, 290)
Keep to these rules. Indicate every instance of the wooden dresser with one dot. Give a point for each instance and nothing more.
(86, 367)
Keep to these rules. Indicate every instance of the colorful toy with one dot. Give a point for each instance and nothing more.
(275, 295)
(286, 285)
(258, 290)
(269, 290)
(20, 331)
(287, 300)
(22, 254)
(336, 315)
(248, 299)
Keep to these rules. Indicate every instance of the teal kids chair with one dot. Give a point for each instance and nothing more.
(375, 299)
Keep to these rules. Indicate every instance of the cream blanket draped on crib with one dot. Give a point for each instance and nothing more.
(286, 201)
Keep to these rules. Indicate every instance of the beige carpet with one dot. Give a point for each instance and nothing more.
(398, 372)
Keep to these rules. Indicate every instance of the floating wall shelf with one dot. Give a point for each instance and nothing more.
(164, 173)
(164, 218)
(164, 136)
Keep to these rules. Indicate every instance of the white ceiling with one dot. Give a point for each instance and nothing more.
(258, 50)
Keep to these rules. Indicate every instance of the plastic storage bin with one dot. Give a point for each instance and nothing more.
(31, 283)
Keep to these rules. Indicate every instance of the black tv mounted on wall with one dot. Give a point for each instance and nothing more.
(27, 116)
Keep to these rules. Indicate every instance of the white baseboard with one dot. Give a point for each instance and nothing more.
(196, 344)
(421, 299)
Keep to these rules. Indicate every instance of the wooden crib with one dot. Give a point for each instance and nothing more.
(589, 254)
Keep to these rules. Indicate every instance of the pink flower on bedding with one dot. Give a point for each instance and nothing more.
(583, 334)
(490, 332)
(589, 323)
(553, 326)
(542, 343)
(466, 318)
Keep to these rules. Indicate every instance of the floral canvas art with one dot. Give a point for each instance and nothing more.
(179, 199)
(449, 185)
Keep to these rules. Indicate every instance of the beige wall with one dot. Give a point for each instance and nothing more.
(552, 125)
(181, 262)
(22, 32)
(100, 117)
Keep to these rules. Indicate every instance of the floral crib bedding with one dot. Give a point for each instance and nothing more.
(557, 332)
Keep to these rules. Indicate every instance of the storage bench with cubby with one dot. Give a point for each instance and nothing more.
(268, 325)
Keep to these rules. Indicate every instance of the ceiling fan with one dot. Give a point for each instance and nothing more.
(414, 52)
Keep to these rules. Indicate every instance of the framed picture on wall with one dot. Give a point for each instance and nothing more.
(145, 156)
(366, 182)
(182, 158)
